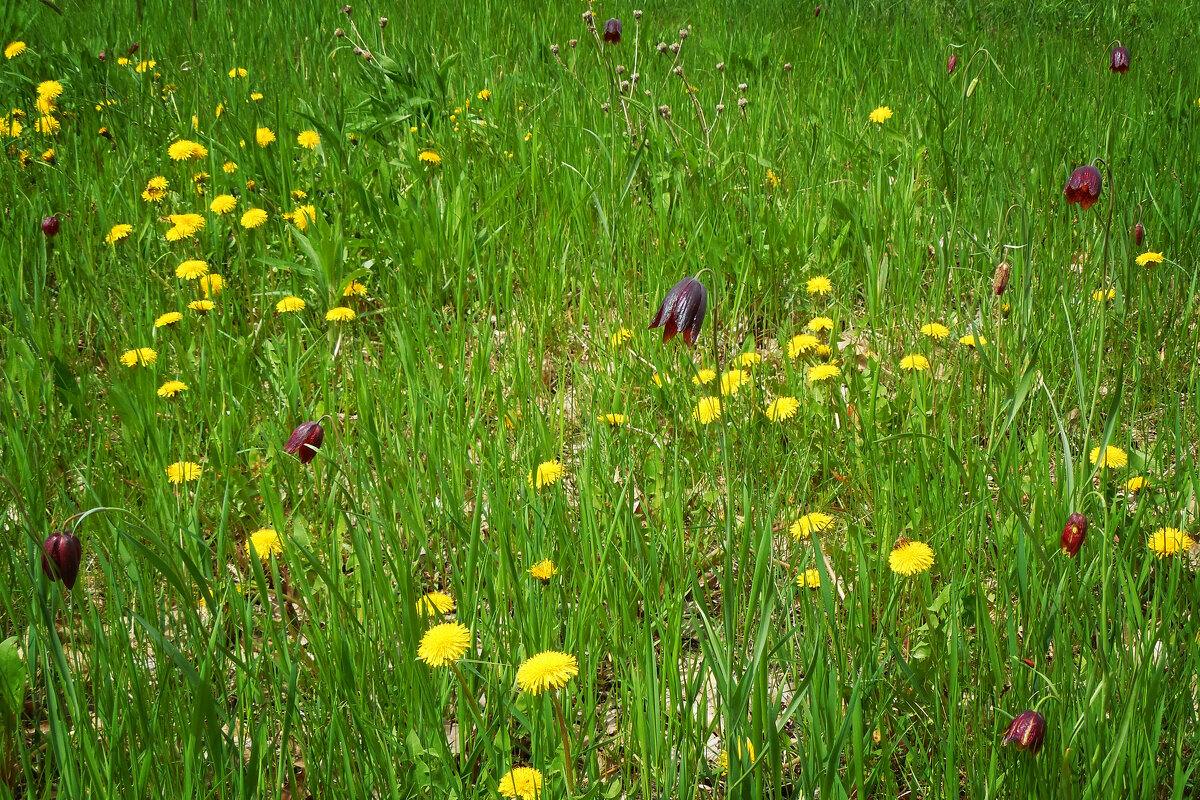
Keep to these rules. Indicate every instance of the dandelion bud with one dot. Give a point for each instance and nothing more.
(304, 441)
(1084, 186)
(637, 14)
(1000, 278)
(677, 71)
(383, 21)
(1139, 233)
(103, 55)
(683, 33)
(554, 49)
(573, 43)
(720, 66)
(346, 10)
(951, 63)
(612, 31)
(339, 33)
(661, 47)
(624, 86)
(1119, 61)
(1074, 533)
(742, 103)
(787, 67)
(665, 113)
(1026, 731)
(61, 554)
(133, 48)
(720, 107)
(742, 88)
(682, 310)
(50, 226)
(674, 48)
(620, 69)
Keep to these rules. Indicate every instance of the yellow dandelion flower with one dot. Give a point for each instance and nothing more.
(733, 380)
(50, 89)
(818, 324)
(186, 150)
(881, 115)
(548, 473)
(122, 62)
(1169, 541)
(139, 357)
(145, 66)
(620, 337)
(289, 304)
(748, 360)
(782, 409)
(430, 157)
(118, 232)
(156, 189)
(183, 471)
(172, 388)
(546, 671)
(521, 783)
(822, 372)
(704, 376)
(201, 306)
(659, 380)
(431, 604)
(543, 570)
(238, 72)
(914, 363)
(302, 216)
(229, 167)
(45, 106)
(444, 644)
(10, 128)
(212, 284)
(340, 314)
(1136, 484)
(484, 94)
(969, 340)
(256, 96)
(935, 330)
(354, 289)
(819, 285)
(14, 49)
(707, 410)
(800, 344)
(308, 139)
(253, 218)
(223, 204)
(191, 270)
(47, 125)
(264, 136)
(816, 521)
(169, 318)
(263, 544)
(613, 420)
(1148, 258)
(910, 558)
(723, 759)
(1102, 296)
(1113, 457)
(809, 579)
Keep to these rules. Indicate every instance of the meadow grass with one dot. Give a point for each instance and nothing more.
(515, 215)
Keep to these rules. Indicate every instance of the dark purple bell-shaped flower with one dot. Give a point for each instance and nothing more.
(1073, 534)
(1139, 234)
(50, 226)
(951, 63)
(1119, 61)
(1026, 731)
(1084, 186)
(682, 311)
(612, 31)
(304, 441)
(61, 555)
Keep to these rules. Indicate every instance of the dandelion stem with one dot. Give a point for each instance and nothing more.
(471, 704)
(568, 763)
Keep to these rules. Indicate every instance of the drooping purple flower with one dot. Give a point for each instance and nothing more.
(1119, 61)
(682, 310)
(62, 553)
(1074, 533)
(1026, 731)
(612, 31)
(50, 226)
(1139, 233)
(951, 63)
(304, 441)
(1084, 186)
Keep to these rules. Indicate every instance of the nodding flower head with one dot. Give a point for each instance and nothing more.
(304, 441)
(61, 555)
(612, 31)
(1026, 731)
(951, 63)
(682, 311)
(1084, 186)
(1074, 533)
(1119, 60)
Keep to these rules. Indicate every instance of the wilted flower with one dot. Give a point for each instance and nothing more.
(1026, 731)
(1119, 61)
(1084, 186)
(50, 226)
(61, 554)
(682, 310)
(1074, 533)
(612, 31)
(304, 441)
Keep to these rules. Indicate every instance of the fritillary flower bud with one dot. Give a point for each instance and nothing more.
(1026, 731)
(304, 441)
(951, 63)
(1074, 533)
(1119, 61)
(682, 310)
(612, 31)
(133, 48)
(1084, 186)
(61, 555)
(817, 11)
(1139, 233)
(50, 226)
(103, 55)
(1000, 278)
